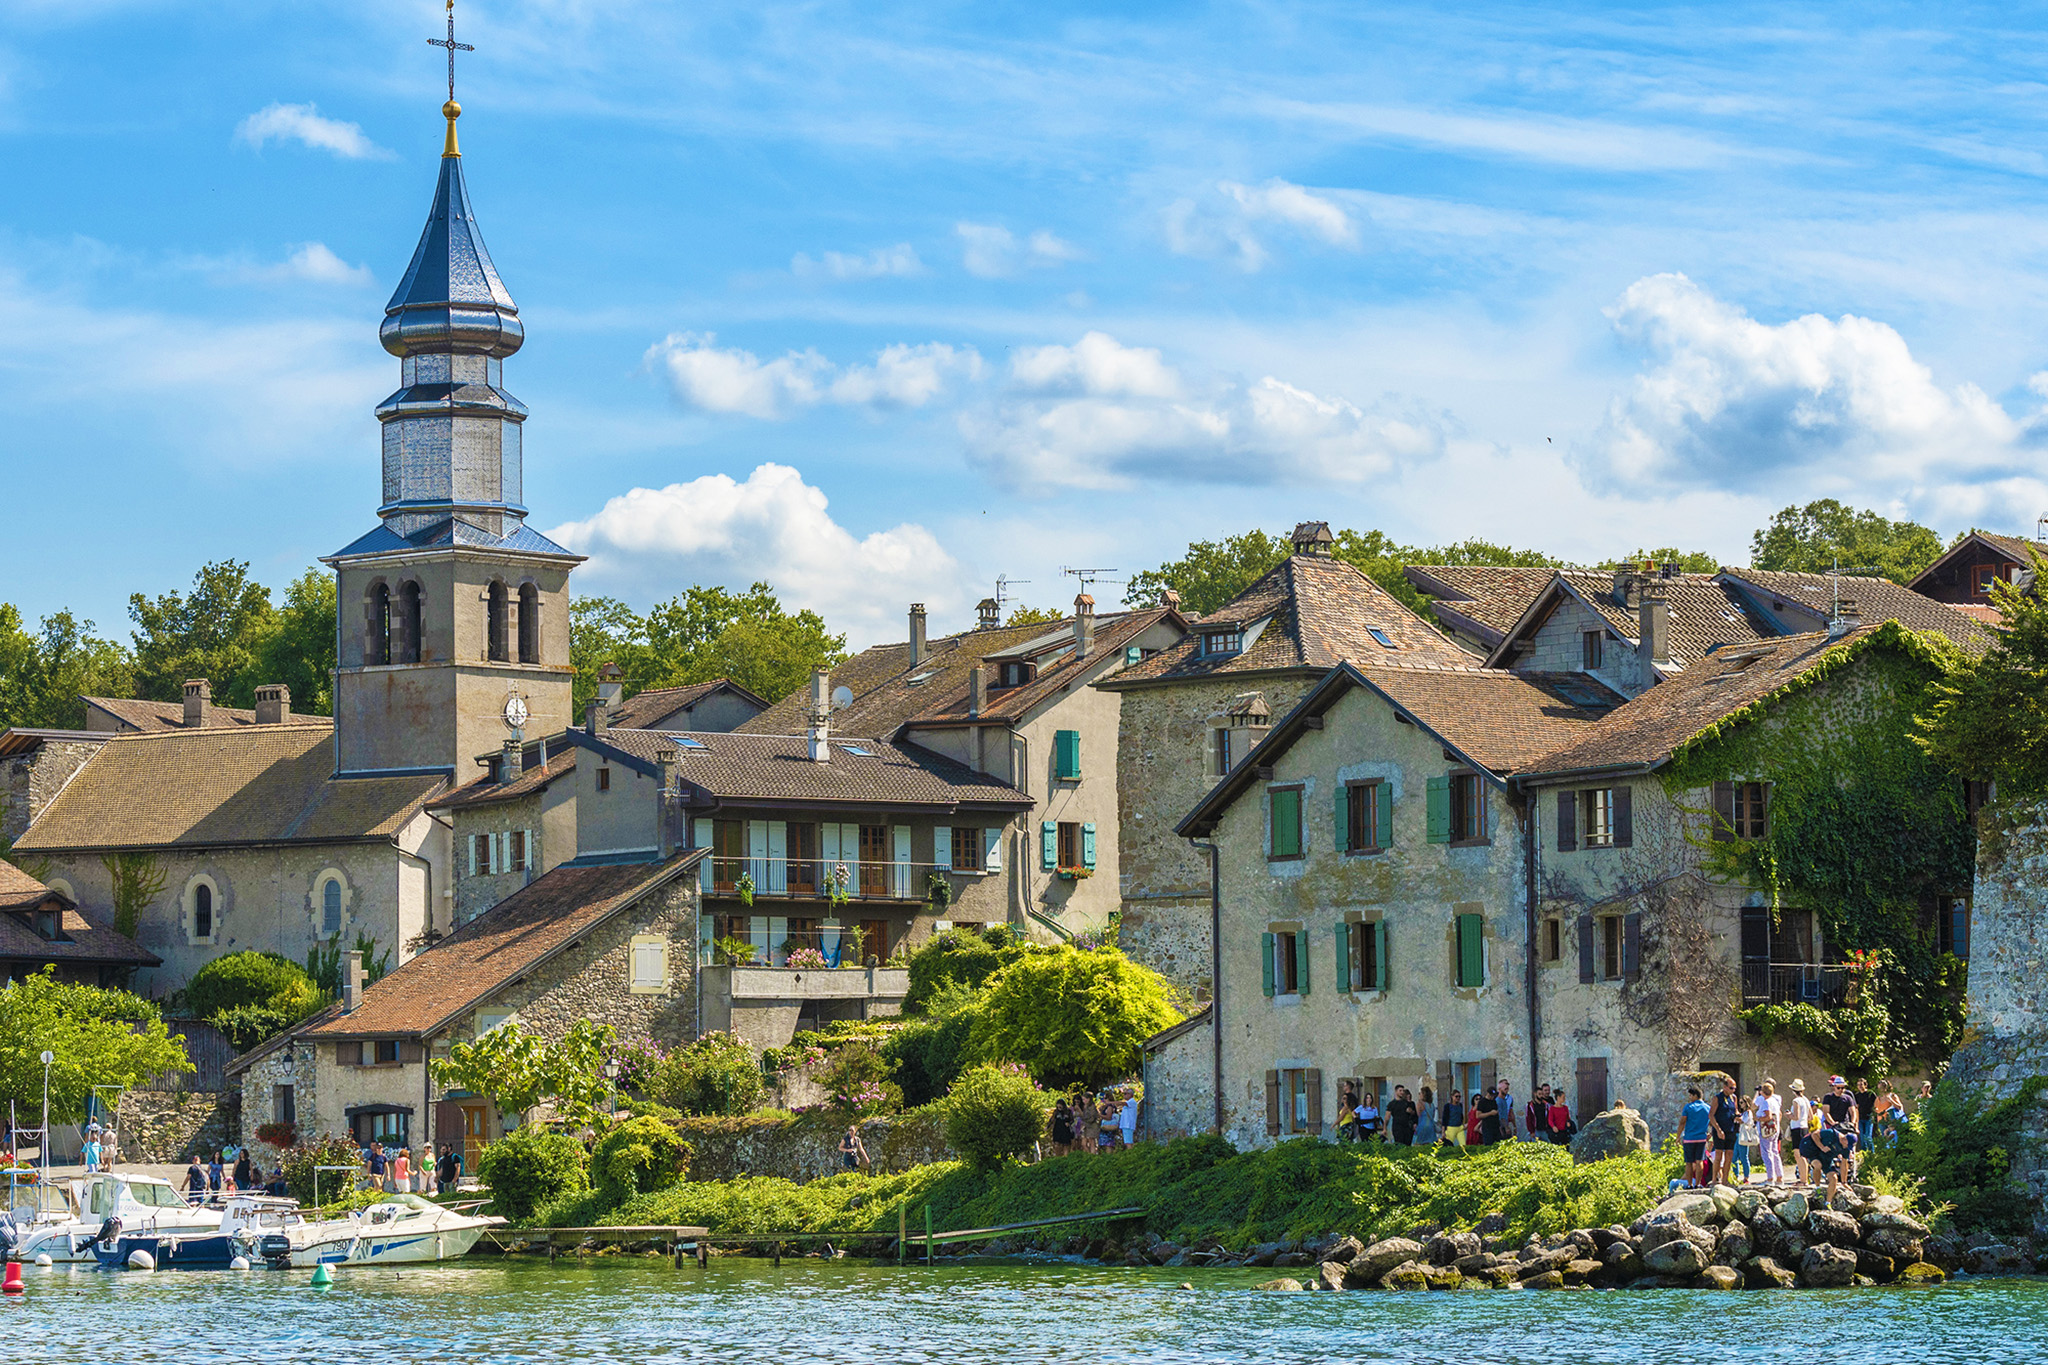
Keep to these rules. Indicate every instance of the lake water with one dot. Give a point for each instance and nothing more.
(483, 1311)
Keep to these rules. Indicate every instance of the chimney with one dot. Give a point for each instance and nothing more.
(198, 703)
(820, 733)
(1169, 599)
(1847, 617)
(1626, 587)
(671, 761)
(273, 704)
(988, 614)
(510, 763)
(1312, 538)
(595, 715)
(917, 649)
(1653, 630)
(1084, 624)
(977, 689)
(351, 982)
(610, 683)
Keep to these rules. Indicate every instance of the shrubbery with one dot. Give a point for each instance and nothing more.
(1962, 1149)
(1072, 1017)
(995, 1113)
(300, 1163)
(530, 1166)
(637, 1157)
(717, 1074)
(251, 996)
(962, 957)
(928, 1054)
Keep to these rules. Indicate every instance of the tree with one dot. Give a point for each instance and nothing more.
(213, 633)
(962, 956)
(518, 1070)
(1688, 561)
(530, 1166)
(716, 1074)
(248, 978)
(1383, 561)
(1021, 615)
(605, 630)
(1818, 536)
(702, 634)
(42, 676)
(1072, 1018)
(101, 1037)
(637, 1157)
(1988, 719)
(1210, 573)
(298, 651)
(994, 1113)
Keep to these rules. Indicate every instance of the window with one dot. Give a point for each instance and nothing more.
(1952, 930)
(1469, 952)
(1365, 817)
(49, 925)
(1589, 648)
(1987, 574)
(1294, 1100)
(728, 853)
(1596, 817)
(1284, 962)
(801, 846)
(1600, 817)
(1286, 806)
(388, 1128)
(385, 1052)
(330, 907)
(648, 974)
(1610, 947)
(1553, 940)
(284, 1104)
(1362, 954)
(1222, 641)
(529, 624)
(1224, 755)
(604, 779)
(1457, 809)
(1741, 810)
(202, 909)
(1066, 748)
(1016, 674)
(1380, 637)
(1076, 846)
(481, 849)
(497, 609)
(486, 1020)
(377, 625)
(202, 912)
(966, 852)
(406, 624)
(515, 851)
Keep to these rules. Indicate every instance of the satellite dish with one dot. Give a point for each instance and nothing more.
(842, 697)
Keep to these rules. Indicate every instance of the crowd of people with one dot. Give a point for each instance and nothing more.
(1417, 1119)
(1726, 1139)
(393, 1171)
(1095, 1121)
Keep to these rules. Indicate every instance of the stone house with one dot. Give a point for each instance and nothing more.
(42, 927)
(1369, 904)
(1018, 705)
(1191, 712)
(854, 849)
(1964, 575)
(34, 766)
(512, 825)
(615, 944)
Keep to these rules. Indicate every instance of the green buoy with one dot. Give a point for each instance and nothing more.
(322, 1276)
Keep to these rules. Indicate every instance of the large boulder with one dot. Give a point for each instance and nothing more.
(1835, 1229)
(1549, 1279)
(1791, 1209)
(1447, 1248)
(1369, 1265)
(1879, 1269)
(1282, 1285)
(1623, 1262)
(1896, 1243)
(1791, 1247)
(1614, 1132)
(1343, 1251)
(1584, 1271)
(1827, 1267)
(1749, 1202)
(1893, 1220)
(1473, 1264)
(1536, 1262)
(1920, 1272)
(1725, 1198)
(1999, 1259)
(1329, 1275)
(1680, 1258)
(1946, 1250)
(1720, 1277)
(1697, 1205)
(1659, 1229)
(1444, 1277)
(1735, 1245)
(1407, 1275)
(1765, 1273)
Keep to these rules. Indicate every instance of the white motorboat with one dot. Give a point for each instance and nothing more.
(403, 1229)
(143, 1203)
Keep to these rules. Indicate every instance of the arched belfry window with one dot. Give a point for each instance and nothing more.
(202, 911)
(405, 625)
(529, 624)
(377, 629)
(496, 621)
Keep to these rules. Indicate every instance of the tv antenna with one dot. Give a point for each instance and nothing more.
(1836, 574)
(1003, 582)
(1089, 577)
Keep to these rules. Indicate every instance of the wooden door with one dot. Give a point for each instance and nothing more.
(874, 860)
(476, 1134)
(874, 940)
(1592, 1094)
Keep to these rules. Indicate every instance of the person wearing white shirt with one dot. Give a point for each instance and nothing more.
(1770, 1129)
(1798, 1118)
(1127, 1121)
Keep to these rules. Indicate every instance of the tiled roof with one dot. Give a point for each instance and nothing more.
(487, 954)
(1646, 731)
(150, 716)
(641, 710)
(741, 767)
(1057, 669)
(488, 791)
(84, 941)
(2014, 548)
(19, 891)
(1702, 611)
(1490, 599)
(1877, 599)
(1318, 611)
(254, 784)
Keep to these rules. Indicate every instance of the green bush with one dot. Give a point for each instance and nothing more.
(530, 1166)
(300, 1161)
(717, 1074)
(961, 957)
(1962, 1150)
(638, 1156)
(244, 979)
(855, 1077)
(1072, 1017)
(927, 1055)
(994, 1113)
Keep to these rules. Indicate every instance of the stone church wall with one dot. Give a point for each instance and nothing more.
(28, 781)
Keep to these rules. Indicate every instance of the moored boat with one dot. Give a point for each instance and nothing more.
(401, 1230)
(144, 1205)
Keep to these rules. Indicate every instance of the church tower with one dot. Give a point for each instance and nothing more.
(454, 614)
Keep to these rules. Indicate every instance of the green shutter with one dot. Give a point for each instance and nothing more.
(1067, 754)
(1343, 818)
(1471, 950)
(1383, 815)
(1343, 956)
(1049, 845)
(1301, 961)
(1379, 934)
(1439, 810)
(1266, 962)
(1088, 845)
(1286, 806)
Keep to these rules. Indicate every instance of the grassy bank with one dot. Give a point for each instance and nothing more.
(1193, 1188)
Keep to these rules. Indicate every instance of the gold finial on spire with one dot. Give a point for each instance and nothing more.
(451, 110)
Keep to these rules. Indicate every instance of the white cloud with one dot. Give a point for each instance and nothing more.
(880, 263)
(313, 263)
(303, 123)
(773, 527)
(1592, 143)
(731, 380)
(1223, 225)
(994, 252)
(1724, 400)
(1279, 201)
(1103, 415)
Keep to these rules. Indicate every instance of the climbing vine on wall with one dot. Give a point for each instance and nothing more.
(1861, 827)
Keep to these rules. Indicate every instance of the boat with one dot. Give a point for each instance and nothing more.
(245, 1221)
(71, 1216)
(402, 1229)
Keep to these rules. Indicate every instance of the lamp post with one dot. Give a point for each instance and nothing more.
(611, 1074)
(48, 1057)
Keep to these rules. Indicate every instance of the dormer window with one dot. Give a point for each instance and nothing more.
(1222, 641)
(49, 925)
(1016, 673)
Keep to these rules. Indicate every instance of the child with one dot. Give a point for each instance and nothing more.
(1745, 1137)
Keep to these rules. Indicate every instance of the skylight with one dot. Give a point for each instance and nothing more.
(684, 741)
(856, 749)
(1380, 636)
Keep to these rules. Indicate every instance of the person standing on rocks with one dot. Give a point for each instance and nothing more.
(1769, 1109)
(1841, 1111)
(1866, 1114)
(1826, 1149)
(1727, 1122)
(1401, 1117)
(1696, 1123)
(1798, 1118)
(1427, 1129)
(1746, 1138)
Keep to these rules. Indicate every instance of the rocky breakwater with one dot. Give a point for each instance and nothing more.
(1754, 1238)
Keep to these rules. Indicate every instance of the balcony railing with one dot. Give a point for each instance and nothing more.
(1827, 985)
(818, 879)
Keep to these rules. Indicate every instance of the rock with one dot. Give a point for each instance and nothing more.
(1901, 1246)
(1615, 1132)
(1883, 1203)
(1330, 1275)
(1735, 1245)
(1447, 1248)
(1999, 1259)
(1289, 1259)
(1944, 1250)
(1473, 1264)
(1265, 1252)
(1377, 1259)
(1835, 1229)
(1791, 1247)
(1880, 1269)
(1864, 1282)
(1920, 1272)
(1791, 1210)
(1660, 1229)
(1827, 1267)
(1283, 1285)
(1748, 1203)
(1549, 1279)
(1135, 1257)
(1543, 1262)
(1764, 1273)
(1678, 1257)
(1894, 1221)
(1698, 1206)
(1499, 1277)
(1623, 1262)
(1584, 1271)
(1865, 1193)
(1407, 1275)
(1720, 1277)
(1179, 1258)
(1606, 1237)
(1445, 1277)
(1343, 1251)
(1724, 1197)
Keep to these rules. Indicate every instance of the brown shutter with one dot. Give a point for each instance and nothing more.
(447, 1123)
(409, 1050)
(1315, 1100)
(348, 1054)
(1592, 1088)
(1489, 1076)
(1763, 817)
(1624, 817)
(1443, 1082)
(1632, 945)
(1272, 1103)
(1587, 930)
(1724, 812)
(1567, 821)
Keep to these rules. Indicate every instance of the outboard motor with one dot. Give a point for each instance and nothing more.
(110, 1231)
(274, 1247)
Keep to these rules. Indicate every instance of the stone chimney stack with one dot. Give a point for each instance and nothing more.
(988, 614)
(820, 732)
(273, 704)
(1084, 624)
(977, 689)
(672, 831)
(1169, 599)
(198, 703)
(1312, 538)
(351, 982)
(1653, 620)
(917, 646)
(596, 718)
(1847, 617)
(1627, 587)
(512, 761)
(611, 684)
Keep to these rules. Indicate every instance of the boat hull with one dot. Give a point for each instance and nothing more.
(394, 1248)
(215, 1252)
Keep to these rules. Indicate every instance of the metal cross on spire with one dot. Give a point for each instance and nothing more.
(453, 48)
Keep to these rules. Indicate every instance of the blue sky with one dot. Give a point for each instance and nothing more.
(881, 301)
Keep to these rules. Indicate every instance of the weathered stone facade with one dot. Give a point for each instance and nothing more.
(164, 1127)
(28, 780)
(545, 820)
(806, 1148)
(1180, 1080)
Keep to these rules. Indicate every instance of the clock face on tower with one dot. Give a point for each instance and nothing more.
(515, 712)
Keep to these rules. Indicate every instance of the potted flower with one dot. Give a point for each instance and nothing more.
(837, 882)
(939, 890)
(805, 959)
(745, 887)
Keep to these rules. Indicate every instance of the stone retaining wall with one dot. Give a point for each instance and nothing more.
(807, 1147)
(165, 1127)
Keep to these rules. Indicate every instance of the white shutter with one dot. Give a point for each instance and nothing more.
(501, 856)
(778, 933)
(777, 883)
(532, 855)
(992, 850)
(471, 841)
(650, 966)
(942, 845)
(701, 838)
(757, 934)
(903, 868)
